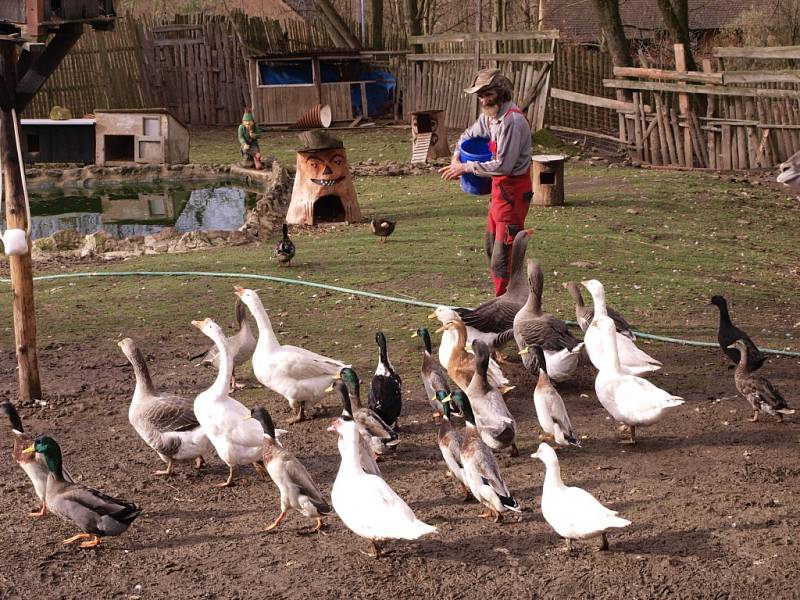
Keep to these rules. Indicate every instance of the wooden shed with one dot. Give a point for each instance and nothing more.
(283, 88)
(144, 136)
(58, 141)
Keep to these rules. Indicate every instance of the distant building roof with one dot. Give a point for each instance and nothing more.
(578, 21)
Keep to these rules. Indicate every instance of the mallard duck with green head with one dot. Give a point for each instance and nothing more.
(96, 514)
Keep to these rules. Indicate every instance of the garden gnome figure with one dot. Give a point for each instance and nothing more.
(248, 140)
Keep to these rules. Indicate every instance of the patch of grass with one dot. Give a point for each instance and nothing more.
(661, 242)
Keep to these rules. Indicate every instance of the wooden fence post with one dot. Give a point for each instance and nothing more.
(685, 106)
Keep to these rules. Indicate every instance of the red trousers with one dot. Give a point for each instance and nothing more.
(510, 201)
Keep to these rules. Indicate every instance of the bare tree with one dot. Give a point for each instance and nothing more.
(676, 19)
(613, 32)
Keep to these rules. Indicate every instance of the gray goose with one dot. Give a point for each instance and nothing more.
(242, 345)
(532, 327)
(497, 315)
(757, 390)
(585, 314)
(166, 422)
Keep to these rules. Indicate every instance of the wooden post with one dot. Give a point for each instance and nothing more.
(16, 218)
(685, 105)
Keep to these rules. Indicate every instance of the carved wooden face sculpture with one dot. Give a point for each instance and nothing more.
(322, 173)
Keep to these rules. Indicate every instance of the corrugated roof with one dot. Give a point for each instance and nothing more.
(577, 19)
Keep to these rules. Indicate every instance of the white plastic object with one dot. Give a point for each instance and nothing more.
(15, 242)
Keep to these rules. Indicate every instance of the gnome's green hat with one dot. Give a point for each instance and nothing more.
(248, 116)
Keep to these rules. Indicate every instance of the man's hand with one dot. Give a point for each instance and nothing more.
(453, 171)
(245, 147)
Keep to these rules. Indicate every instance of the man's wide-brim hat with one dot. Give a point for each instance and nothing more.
(318, 139)
(486, 78)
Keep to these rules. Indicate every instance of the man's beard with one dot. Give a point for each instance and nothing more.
(491, 110)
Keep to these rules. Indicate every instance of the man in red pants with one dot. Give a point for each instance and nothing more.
(510, 143)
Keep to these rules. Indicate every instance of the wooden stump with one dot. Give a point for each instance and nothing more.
(429, 122)
(548, 180)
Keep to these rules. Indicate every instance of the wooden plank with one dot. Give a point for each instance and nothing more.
(711, 105)
(752, 136)
(637, 128)
(758, 52)
(727, 160)
(661, 113)
(699, 141)
(699, 89)
(780, 76)
(677, 138)
(485, 36)
(569, 96)
(692, 76)
(595, 134)
(685, 104)
(741, 134)
(533, 57)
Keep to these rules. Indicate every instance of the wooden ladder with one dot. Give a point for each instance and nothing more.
(421, 147)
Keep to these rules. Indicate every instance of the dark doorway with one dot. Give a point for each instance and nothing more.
(119, 148)
(328, 209)
(424, 123)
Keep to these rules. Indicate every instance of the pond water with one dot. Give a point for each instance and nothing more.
(124, 211)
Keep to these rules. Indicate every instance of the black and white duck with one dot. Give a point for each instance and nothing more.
(728, 333)
(96, 514)
(379, 437)
(385, 394)
(757, 390)
(298, 490)
(285, 250)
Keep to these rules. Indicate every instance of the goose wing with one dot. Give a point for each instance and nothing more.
(496, 315)
(171, 413)
(546, 331)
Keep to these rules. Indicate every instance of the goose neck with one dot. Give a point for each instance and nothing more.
(221, 384)
(266, 335)
(552, 477)
(144, 384)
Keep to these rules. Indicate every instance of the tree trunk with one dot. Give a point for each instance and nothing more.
(377, 24)
(413, 23)
(614, 33)
(676, 19)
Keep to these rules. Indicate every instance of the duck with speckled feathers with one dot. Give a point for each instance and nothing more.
(434, 379)
(450, 441)
(96, 514)
(383, 228)
(759, 391)
(298, 490)
(385, 393)
(285, 250)
(481, 470)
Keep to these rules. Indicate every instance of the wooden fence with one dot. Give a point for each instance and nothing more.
(437, 77)
(714, 119)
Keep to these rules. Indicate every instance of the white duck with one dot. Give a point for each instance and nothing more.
(297, 374)
(449, 338)
(366, 454)
(574, 513)
(550, 409)
(238, 441)
(365, 503)
(631, 359)
(629, 399)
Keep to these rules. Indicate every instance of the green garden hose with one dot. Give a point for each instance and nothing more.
(324, 286)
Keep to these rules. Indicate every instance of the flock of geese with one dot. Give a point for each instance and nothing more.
(462, 379)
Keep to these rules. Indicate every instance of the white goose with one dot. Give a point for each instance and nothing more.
(574, 513)
(238, 441)
(629, 399)
(365, 503)
(297, 374)
(631, 359)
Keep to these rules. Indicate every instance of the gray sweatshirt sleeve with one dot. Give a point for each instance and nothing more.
(512, 138)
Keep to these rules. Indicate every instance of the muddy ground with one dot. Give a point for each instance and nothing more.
(713, 499)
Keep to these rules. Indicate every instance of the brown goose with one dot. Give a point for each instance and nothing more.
(532, 327)
(757, 390)
(585, 314)
(497, 315)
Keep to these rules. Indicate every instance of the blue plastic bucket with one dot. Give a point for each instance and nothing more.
(475, 149)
